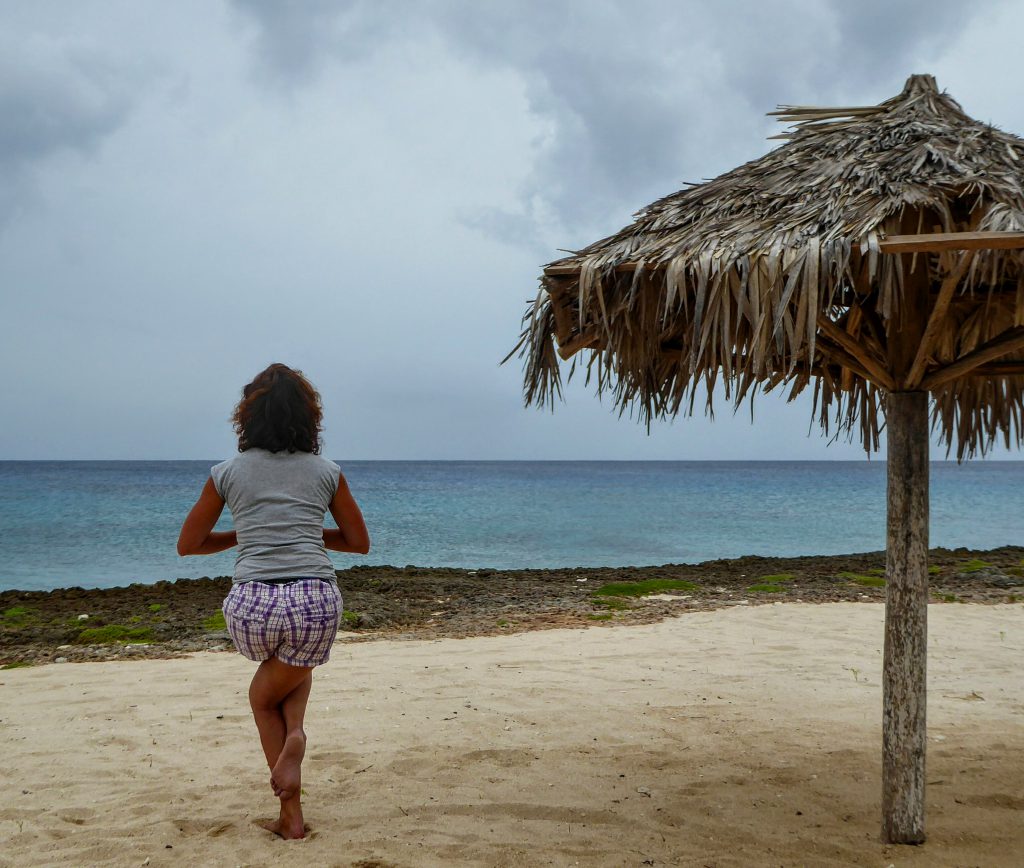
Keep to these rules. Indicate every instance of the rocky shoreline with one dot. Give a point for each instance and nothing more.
(168, 619)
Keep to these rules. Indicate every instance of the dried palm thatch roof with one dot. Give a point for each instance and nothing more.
(786, 272)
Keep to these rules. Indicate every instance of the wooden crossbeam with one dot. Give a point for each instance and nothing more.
(936, 242)
(1010, 340)
(999, 369)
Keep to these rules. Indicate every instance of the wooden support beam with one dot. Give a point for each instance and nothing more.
(935, 320)
(1010, 340)
(875, 371)
(580, 342)
(905, 655)
(999, 369)
(908, 320)
(839, 356)
(935, 242)
(562, 312)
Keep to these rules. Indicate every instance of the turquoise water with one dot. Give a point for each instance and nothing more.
(100, 524)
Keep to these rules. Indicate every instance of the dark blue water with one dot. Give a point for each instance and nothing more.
(100, 524)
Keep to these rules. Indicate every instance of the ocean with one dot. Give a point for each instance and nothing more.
(109, 523)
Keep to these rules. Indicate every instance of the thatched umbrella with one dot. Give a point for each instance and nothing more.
(875, 256)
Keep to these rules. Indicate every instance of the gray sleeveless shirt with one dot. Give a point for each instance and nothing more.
(277, 502)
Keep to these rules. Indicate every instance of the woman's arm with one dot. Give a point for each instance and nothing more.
(351, 534)
(197, 534)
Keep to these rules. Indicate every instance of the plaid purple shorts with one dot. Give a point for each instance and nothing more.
(295, 622)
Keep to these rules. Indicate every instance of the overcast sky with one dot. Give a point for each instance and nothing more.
(368, 190)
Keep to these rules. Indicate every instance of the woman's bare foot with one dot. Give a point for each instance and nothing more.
(289, 825)
(286, 776)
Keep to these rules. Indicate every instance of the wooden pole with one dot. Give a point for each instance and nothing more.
(906, 619)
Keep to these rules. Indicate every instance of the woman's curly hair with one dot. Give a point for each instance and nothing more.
(280, 411)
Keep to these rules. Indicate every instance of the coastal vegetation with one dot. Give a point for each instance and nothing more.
(114, 633)
(777, 578)
(643, 588)
(215, 622)
(16, 616)
(868, 580)
(772, 584)
(612, 603)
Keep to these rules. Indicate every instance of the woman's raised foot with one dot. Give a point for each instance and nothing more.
(286, 776)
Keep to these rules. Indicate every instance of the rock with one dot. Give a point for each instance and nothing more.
(83, 617)
(991, 576)
(60, 659)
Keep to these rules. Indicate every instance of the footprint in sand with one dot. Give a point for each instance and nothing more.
(198, 827)
(997, 800)
(504, 758)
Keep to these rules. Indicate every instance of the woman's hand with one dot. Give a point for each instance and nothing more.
(197, 534)
(351, 534)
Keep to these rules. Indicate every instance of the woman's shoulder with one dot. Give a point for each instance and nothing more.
(222, 472)
(327, 466)
(227, 462)
(235, 461)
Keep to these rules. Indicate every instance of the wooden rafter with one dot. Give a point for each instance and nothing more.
(865, 362)
(936, 242)
(999, 369)
(837, 355)
(935, 320)
(580, 342)
(1010, 340)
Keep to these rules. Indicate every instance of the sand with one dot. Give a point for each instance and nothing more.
(746, 736)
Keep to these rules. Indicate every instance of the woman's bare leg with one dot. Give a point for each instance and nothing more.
(285, 773)
(278, 696)
(275, 716)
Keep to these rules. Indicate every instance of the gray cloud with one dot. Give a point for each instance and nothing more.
(365, 190)
(295, 37)
(635, 95)
(55, 97)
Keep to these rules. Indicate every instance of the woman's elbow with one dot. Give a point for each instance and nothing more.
(363, 548)
(187, 546)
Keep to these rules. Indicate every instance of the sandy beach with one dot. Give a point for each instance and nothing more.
(744, 736)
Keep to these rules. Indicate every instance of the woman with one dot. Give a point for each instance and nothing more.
(284, 606)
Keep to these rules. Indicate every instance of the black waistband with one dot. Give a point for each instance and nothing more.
(291, 580)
